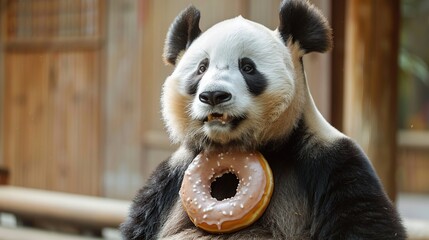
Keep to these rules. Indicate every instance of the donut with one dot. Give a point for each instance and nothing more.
(252, 195)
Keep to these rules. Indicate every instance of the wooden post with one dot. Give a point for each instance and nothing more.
(338, 14)
(371, 51)
(2, 37)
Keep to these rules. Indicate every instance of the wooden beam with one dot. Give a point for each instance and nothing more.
(371, 51)
(28, 233)
(54, 44)
(80, 210)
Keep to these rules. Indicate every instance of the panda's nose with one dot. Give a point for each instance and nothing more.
(214, 97)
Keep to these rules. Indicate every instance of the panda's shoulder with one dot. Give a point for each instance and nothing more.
(341, 153)
(339, 164)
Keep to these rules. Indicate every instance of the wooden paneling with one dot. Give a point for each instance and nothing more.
(26, 123)
(371, 69)
(52, 121)
(52, 100)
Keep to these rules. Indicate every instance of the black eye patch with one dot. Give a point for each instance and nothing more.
(255, 80)
(194, 80)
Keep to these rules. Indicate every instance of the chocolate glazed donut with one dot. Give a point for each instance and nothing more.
(253, 192)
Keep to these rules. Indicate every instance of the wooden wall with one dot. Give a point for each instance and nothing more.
(52, 94)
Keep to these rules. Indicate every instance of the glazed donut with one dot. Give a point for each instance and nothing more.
(253, 193)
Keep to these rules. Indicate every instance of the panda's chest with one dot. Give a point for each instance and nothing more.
(287, 217)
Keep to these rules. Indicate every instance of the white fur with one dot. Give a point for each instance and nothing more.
(314, 120)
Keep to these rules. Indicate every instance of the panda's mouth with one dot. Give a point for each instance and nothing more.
(218, 117)
(223, 119)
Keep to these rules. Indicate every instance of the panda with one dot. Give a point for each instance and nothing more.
(253, 80)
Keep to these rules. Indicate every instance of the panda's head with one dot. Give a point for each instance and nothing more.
(238, 83)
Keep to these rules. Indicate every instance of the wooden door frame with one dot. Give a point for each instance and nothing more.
(2, 34)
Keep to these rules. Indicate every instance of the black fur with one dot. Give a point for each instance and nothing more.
(182, 32)
(255, 80)
(152, 204)
(345, 197)
(301, 22)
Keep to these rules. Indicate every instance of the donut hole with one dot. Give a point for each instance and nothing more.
(224, 186)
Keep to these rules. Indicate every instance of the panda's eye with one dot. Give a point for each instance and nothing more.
(247, 68)
(202, 67)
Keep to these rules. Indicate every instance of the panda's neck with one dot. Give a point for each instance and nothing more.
(315, 122)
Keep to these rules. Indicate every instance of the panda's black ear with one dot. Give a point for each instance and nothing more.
(301, 22)
(182, 32)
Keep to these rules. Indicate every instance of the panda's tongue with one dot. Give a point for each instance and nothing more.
(218, 117)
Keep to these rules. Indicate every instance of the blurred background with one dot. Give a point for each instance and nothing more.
(80, 82)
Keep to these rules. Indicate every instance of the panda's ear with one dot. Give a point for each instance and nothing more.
(303, 23)
(182, 32)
